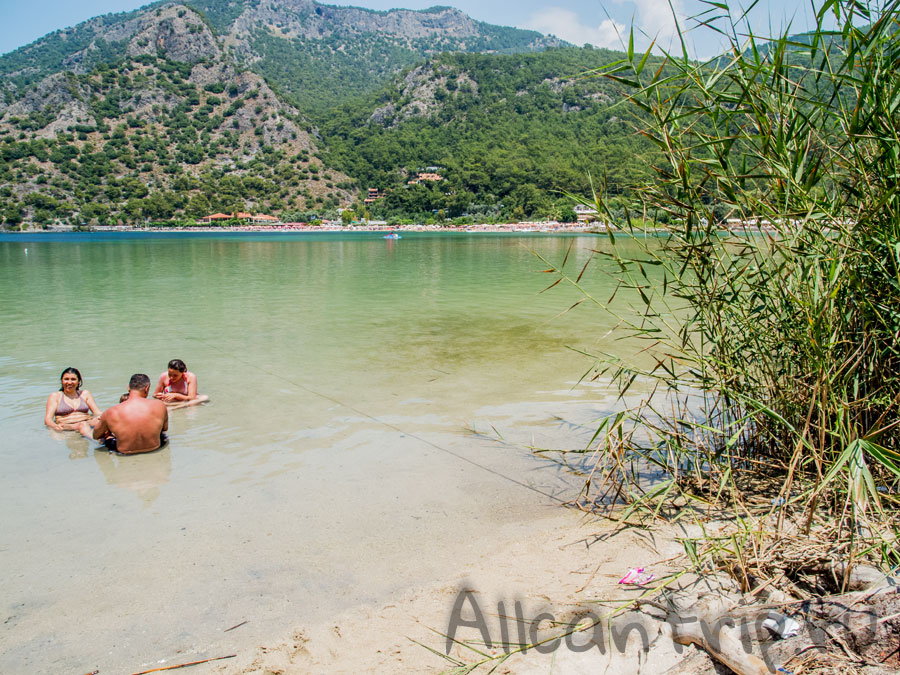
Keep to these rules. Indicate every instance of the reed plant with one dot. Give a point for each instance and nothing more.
(769, 293)
(767, 279)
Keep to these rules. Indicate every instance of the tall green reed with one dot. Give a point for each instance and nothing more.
(772, 303)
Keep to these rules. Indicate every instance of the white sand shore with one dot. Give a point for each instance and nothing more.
(562, 564)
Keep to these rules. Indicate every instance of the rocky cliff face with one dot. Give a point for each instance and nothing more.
(418, 93)
(176, 31)
(304, 18)
(63, 98)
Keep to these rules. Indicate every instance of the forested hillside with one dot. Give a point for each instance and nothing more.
(317, 55)
(508, 133)
(178, 131)
(320, 56)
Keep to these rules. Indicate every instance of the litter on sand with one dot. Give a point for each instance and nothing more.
(636, 576)
(781, 626)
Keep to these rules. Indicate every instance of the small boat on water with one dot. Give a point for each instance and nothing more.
(393, 235)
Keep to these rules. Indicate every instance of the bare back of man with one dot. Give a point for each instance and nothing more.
(137, 423)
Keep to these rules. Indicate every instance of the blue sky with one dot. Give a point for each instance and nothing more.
(578, 21)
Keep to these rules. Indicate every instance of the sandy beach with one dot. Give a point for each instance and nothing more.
(563, 564)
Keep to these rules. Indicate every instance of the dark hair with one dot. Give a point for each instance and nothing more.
(138, 381)
(66, 372)
(177, 364)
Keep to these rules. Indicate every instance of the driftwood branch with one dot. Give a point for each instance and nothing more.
(719, 644)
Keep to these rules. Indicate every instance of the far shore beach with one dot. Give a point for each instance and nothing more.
(517, 228)
(545, 227)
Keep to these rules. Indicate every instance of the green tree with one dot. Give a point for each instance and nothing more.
(567, 214)
(14, 214)
(197, 206)
(159, 206)
(134, 209)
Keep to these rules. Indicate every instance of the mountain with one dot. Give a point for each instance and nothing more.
(320, 56)
(180, 110)
(172, 126)
(316, 55)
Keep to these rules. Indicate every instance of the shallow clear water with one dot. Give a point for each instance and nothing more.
(371, 403)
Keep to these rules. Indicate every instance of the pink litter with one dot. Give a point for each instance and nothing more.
(636, 576)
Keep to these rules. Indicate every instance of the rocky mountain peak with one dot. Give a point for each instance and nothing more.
(176, 31)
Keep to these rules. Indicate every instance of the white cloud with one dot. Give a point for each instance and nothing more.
(655, 19)
(652, 19)
(566, 25)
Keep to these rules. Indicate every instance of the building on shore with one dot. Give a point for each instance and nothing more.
(264, 219)
(254, 219)
(585, 213)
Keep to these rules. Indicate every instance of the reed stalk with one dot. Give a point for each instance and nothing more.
(769, 291)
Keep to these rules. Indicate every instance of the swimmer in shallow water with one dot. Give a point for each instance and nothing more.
(71, 408)
(135, 425)
(177, 387)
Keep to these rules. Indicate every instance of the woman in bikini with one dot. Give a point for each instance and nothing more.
(177, 387)
(71, 408)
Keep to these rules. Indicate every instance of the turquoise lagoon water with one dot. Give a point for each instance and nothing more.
(371, 401)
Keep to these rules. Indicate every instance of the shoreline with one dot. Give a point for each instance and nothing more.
(300, 228)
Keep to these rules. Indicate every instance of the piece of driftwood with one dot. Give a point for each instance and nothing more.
(723, 646)
(707, 623)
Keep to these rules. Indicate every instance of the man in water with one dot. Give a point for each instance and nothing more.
(137, 423)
